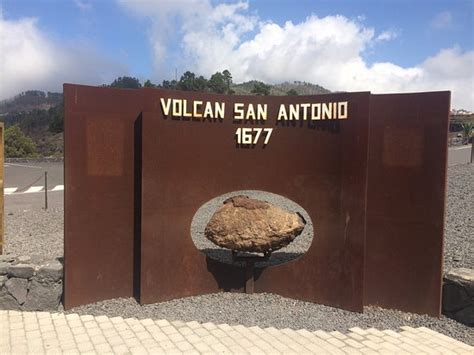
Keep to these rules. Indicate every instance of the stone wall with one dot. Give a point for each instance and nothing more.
(30, 283)
(458, 295)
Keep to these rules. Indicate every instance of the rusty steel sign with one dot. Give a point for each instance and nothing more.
(370, 171)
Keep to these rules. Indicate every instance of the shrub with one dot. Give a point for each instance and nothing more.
(17, 144)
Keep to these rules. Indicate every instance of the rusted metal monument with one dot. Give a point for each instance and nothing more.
(370, 171)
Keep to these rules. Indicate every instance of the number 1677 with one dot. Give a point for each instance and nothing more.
(252, 135)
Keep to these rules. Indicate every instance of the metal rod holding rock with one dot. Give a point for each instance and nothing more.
(45, 190)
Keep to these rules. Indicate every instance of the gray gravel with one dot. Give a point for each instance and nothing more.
(41, 232)
(34, 231)
(459, 229)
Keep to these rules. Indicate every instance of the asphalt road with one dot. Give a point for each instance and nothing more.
(459, 155)
(23, 176)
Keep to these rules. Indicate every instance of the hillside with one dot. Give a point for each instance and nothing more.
(301, 88)
(30, 100)
(40, 115)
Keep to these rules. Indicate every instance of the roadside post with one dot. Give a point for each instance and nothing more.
(45, 190)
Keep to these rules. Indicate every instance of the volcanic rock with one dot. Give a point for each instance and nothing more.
(250, 225)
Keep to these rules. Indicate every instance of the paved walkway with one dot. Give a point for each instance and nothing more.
(55, 333)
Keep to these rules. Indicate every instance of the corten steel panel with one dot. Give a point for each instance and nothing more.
(406, 201)
(320, 165)
(99, 192)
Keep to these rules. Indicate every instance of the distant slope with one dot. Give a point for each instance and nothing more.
(30, 100)
(301, 87)
(39, 115)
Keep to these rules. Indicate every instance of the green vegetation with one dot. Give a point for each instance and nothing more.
(126, 82)
(260, 88)
(467, 129)
(17, 144)
(35, 119)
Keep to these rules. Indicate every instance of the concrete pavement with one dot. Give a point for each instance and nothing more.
(57, 333)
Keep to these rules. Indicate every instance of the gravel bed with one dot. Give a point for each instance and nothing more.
(269, 310)
(459, 228)
(41, 232)
(35, 232)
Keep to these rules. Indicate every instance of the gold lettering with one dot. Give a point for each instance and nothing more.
(219, 109)
(208, 111)
(305, 110)
(195, 109)
(294, 112)
(250, 113)
(327, 111)
(282, 113)
(342, 110)
(177, 108)
(185, 109)
(262, 111)
(238, 111)
(316, 112)
(165, 106)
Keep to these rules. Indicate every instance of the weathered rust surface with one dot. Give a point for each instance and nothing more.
(99, 193)
(134, 180)
(321, 166)
(406, 201)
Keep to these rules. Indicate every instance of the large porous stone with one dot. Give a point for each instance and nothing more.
(245, 224)
(24, 259)
(24, 271)
(5, 258)
(18, 288)
(7, 301)
(43, 296)
(458, 295)
(3, 279)
(52, 271)
(4, 266)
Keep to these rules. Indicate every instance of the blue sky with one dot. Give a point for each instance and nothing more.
(382, 46)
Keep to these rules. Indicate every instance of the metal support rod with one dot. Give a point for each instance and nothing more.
(45, 190)
(249, 276)
(472, 150)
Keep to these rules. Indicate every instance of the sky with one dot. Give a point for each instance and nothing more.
(380, 46)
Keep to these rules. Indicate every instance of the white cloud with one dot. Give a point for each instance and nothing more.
(442, 20)
(328, 51)
(386, 36)
(83, 5)
(31, 60)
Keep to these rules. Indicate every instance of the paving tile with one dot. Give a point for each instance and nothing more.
(353, 343)
(162, 323)
(336, 342)
(338, 335)
(409, 329)
(41, 332)
(86, 318)
(350, 350)
(322, 335)
(138, 350)
(358, 330)
(375, 339)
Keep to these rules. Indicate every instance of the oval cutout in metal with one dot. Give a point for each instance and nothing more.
(294, 250)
